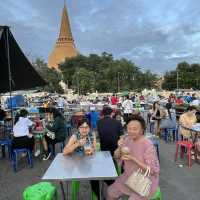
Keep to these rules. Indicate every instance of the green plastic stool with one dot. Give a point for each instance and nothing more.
(93, 196)
(75, 184)
(118, 169)
(157, 195)
(74, 189)
(40, 191)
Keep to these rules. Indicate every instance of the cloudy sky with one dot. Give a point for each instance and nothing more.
(154, 34)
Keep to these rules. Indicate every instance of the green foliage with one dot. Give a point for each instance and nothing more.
(185, 76)
(83, 79)
(104, 74)
(51, 76)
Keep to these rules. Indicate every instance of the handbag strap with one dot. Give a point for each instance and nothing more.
(139, 170)
(147, 173)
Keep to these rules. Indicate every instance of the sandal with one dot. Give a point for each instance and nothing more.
(192, 157)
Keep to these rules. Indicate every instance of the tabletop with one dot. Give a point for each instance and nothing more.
(99, 166)
(196, 127)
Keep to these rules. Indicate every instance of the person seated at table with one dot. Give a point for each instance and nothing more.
(140, 153)
(79, 140)
(186, 120)
(22, 137)
(57, 133)
(84, 142)
(38, 131)
(169, 118)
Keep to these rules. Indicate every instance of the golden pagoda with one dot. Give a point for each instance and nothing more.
(65, 47)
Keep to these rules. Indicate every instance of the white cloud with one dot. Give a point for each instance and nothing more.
(179, 55)
(153, 36)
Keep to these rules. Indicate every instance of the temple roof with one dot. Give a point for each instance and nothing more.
(65, 30)
(65, 47)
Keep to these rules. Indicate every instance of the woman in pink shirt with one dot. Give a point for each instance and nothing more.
(141, 154)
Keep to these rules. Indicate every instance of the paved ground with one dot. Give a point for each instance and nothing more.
(177, 183)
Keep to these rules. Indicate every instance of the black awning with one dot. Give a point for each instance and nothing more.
(23, 75)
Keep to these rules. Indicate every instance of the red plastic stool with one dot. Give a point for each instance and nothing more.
(187, 144)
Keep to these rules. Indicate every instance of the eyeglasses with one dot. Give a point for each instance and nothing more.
(83, 127)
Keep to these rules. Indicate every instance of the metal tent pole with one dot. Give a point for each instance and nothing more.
(9, 72)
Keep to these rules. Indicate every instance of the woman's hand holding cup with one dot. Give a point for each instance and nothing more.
(82, 142)
(88, 150)
(120, 142)
(125, 151)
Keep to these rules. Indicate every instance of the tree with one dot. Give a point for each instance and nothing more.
(83, 79)
(185, 76)
(104, 73)
(51, 76)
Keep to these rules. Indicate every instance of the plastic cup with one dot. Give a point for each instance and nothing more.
(87, 149)
(125, 150)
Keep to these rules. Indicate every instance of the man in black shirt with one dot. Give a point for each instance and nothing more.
(109, 130)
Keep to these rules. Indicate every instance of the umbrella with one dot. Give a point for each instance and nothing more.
(125, 93)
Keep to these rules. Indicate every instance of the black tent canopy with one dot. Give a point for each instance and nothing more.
(16, 72)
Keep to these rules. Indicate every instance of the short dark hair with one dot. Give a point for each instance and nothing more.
(23, 113)
(56, 113)
(137, 118)
(107, 110)
(82, 121)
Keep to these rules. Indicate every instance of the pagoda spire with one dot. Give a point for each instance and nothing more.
(64, 47)
(65, 30)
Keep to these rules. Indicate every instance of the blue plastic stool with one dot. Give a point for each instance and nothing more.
(6, 143)
(16, 152)
(157, 195)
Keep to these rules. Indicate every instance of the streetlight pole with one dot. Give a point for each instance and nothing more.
(77, 82)
(94, 81)
(118, 82)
